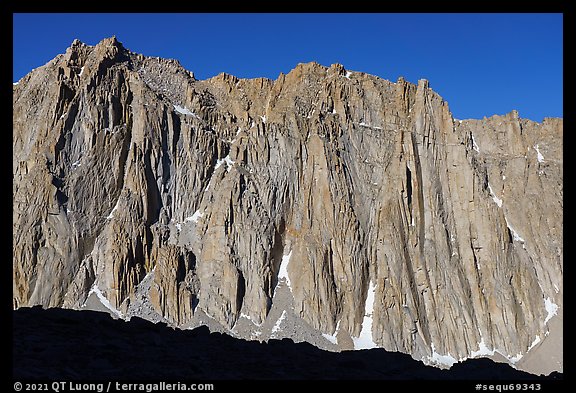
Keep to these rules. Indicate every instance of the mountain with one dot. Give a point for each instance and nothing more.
(327, 206)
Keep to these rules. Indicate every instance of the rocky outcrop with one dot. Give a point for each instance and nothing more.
(345, 206)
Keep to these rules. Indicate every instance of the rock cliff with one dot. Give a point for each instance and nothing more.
(328, 206)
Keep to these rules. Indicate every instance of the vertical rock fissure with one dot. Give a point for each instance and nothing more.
(409, 193)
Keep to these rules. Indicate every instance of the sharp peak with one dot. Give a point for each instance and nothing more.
(111, 41)
(108, 41)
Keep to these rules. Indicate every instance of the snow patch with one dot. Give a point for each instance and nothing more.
(332, 337)
(369, 126)
(540, 156)
(534, 343)
(515, 234)
(482, 350)
(279, 322)
(111, 215)
(195, 217)
(226, 160)
(105, 302)
(552, 309)
(76, 164)
(556, 288)
(263, 119)
(364, 340)
(446, 360)
(494, 197)
(81, 71)
(15, 83)
(250, 319)
(283, 272)
(348, 74)
(474, 144)
(184, 111)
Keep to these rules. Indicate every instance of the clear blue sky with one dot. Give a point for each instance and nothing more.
(482, 64)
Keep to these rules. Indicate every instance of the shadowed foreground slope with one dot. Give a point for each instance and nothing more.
(60, 343)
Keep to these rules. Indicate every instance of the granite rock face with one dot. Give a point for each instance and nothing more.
(328, 206)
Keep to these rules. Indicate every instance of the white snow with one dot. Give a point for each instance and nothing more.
(494, 197)
(76, 164)
(332, 337)
(551, 307)
(81, 71)
(184, 111)
(515, 234)
(540, 156)
(364, 340)
(447, 360)
(283, 273)
(333, 111)
(474, 144)
(250, 319)
(534, 343)
(197, 215)
(111, 215)
(482, 350)
(226, 160)
(263, 119)
(105, 302)
(556, 288)
(348, 74)
(369, 126)
(15, 83)
(279, 322)
(178, 226)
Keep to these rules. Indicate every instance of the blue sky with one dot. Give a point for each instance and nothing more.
(482, 64)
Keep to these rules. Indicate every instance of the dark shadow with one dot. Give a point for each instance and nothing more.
(67, 344)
